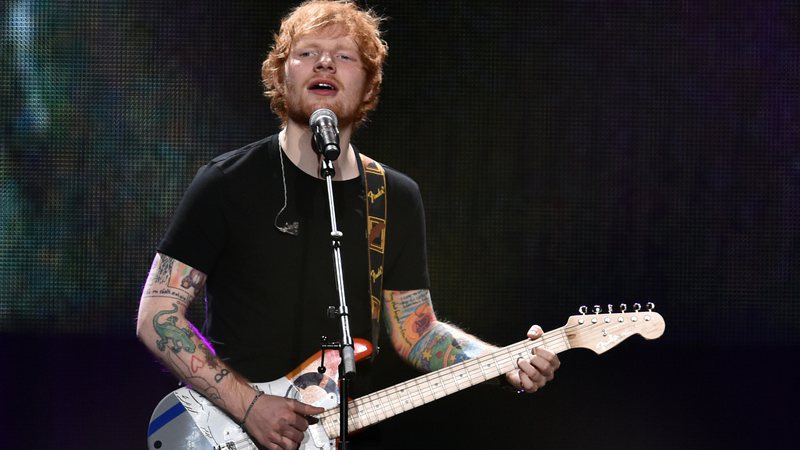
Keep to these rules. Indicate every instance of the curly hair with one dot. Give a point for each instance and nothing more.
(341, 15)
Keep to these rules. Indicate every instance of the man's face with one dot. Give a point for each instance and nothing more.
(324, 70)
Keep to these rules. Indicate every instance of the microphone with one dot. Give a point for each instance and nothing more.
(323, 125)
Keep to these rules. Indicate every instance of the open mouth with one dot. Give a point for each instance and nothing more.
(322, 87)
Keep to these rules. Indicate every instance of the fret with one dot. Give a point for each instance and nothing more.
(361, 413)
(389, 399)
(330, 422)
(487, 363)
(512, 354)
(414, 396)
(458, 378)
(402, 399)
(435, 385)
(354, 419)
(366, 412)
(476, 372)
(380, 412)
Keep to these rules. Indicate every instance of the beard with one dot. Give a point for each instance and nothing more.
(302, 115)
(300, 112)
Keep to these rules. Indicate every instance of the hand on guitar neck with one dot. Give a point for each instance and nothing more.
(534, 372)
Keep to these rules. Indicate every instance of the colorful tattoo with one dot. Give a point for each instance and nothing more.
(413, 312)
(192, 280)
(440, 348)
(172, 279)
(168, 331)
(425, 342)
(197, 364)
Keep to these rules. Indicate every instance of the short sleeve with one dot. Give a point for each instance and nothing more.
(406, 262)
(197, 232)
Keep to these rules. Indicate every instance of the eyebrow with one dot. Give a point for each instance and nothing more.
(316, 43)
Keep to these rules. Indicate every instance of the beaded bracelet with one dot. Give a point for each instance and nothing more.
(249, 408)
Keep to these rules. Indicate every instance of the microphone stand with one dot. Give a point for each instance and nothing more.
(346, 345)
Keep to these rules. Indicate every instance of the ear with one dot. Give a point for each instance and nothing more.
(280, 80)
(372, 87)
(369, 91)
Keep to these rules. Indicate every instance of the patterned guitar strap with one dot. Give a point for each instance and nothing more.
(375, 188)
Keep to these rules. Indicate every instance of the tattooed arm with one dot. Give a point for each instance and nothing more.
(163, 328)
(429, 344)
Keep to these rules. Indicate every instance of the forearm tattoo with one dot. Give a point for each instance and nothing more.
(168, 331)
(441, 347)
(412, 314)
(425, 342)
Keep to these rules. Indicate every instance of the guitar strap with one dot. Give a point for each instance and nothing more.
(375, 188)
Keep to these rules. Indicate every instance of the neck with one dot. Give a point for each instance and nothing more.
(295, 140)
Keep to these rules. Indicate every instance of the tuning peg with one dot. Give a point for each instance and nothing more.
(597, 310)
(623, 307)
(637, 307)
(650, 306)
(582, 310)
(610, 308)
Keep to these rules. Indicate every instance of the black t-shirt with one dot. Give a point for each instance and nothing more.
(268, 290)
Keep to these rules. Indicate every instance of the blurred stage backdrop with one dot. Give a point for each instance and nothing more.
(569, 153)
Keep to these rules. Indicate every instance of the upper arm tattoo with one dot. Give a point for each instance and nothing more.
(163, 269)
(173, 279)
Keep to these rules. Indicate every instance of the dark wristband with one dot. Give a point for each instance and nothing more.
(250, 408)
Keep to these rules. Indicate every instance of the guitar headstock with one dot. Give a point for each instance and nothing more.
(600, 331)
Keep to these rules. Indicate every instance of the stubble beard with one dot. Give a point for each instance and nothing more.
(300, 113)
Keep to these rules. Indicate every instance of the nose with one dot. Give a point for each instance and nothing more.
(325, 63)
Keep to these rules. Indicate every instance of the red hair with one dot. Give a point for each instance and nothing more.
(314, 15)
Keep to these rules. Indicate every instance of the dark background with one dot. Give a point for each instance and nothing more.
(569, 153)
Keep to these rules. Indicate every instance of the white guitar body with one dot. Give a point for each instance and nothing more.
(186, 420)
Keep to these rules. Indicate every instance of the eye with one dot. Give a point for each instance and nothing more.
(346, 57)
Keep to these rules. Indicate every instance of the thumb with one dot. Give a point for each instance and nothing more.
(535, 332)
(306, 409)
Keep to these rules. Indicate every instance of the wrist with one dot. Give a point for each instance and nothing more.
(257, 395)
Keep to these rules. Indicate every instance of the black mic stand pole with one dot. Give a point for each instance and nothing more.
(346, 344)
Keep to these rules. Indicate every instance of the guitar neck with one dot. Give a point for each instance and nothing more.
(389, 402)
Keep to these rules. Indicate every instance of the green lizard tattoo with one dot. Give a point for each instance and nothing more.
(168, 331)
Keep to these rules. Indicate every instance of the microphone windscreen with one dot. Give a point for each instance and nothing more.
(320, 113)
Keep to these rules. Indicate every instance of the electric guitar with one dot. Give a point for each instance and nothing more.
(184, 419)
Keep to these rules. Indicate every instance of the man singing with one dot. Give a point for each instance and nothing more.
(253, 232)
